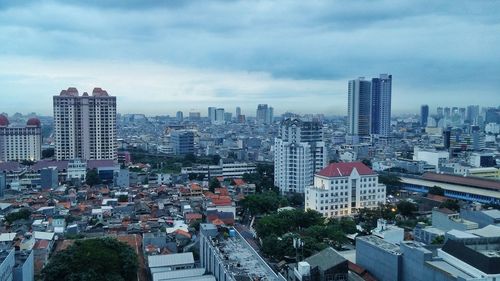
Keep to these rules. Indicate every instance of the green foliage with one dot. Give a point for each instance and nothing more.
(93, 259)
(195, 224)
(406, 208)
(278, 230)
(367, 162)
(263, 178)
(214, 183)
(27, 163)
(390, 180)
(367, 218)
(450, 204)
(263, 203)
(287, 221)
(92, 177)
(438, 240)
(123, 198)
(48, 153)
(436, 190)
(22, 214)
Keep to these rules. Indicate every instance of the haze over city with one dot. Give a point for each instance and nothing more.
(157, 58)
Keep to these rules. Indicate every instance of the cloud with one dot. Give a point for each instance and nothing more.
(437, 51)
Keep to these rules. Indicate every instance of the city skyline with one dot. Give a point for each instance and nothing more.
(190, 55)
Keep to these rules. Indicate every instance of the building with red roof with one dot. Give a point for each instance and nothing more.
(341, 188)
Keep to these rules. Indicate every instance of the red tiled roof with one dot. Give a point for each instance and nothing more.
(238, 182)
(345, 169)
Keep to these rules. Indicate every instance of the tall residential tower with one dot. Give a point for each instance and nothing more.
(85, 126)
(299, 152)
(381, 105)
(359, 107)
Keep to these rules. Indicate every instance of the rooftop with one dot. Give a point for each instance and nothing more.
(242, 261)
(170, 260)
(381, 243)
(345, 169)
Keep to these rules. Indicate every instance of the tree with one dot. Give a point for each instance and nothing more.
(438, 240)
(92, 177)
(22, 214)
(367, 162)
(123, 198)
(406, 208)
(48, 153)
(214, 183)
(436, 190)
(93, 259)
(450, 204)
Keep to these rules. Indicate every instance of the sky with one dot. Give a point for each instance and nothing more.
(158, 57)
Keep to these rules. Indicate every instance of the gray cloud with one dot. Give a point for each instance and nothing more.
(434, 49)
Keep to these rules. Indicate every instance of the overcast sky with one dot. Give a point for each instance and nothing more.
(158, 58)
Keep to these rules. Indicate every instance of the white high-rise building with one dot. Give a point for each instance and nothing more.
(85, 126)
(211, 113)
(381, 105)
(19, 143)
(299, 152)
(342, 188)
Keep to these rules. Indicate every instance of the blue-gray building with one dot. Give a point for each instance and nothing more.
(24, 269)
(7, 262)
(424, 115)
(182, 142)
(3, 183)
(48, 178)
(381, 94)
(379, 257)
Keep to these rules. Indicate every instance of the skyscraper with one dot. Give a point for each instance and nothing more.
(472, 114)
(238, 113)
(359, 104)
(381, 105)
(219, 116)
(424, 115)
(182, 142)
(299, 152)
(262, 114)
(85, 126)
(179, 115)
(211, 113)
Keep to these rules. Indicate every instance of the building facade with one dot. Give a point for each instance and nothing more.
(381, 105)
(85, 126)
(182, 142)
(342, 188)
(19, 143)
(299, 152)
(359, 104)
(424, 115)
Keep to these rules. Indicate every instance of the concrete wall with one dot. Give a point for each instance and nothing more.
(382, 264)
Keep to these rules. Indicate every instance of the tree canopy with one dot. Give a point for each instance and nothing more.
(436, 190)
(19, 215)
(93, 260)
(263, 203)
(92, 177)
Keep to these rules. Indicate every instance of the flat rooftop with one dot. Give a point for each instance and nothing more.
(243, 262)
(381, 243)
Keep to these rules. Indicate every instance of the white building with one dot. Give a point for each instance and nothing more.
(19, 143)
(77, 169)
(389, 232)
(342, 188)
(85, 126)
(431, 156)
(299, 152)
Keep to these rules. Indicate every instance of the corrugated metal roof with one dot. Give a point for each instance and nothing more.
(175, 274)
(170, 260)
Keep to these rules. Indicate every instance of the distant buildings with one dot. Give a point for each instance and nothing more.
(219, 116)
(424, 115)
(342, 188)
(264, 114)
(211, 114)
(299, 152)
(85, 126)
(179, 115)
(19, 143)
